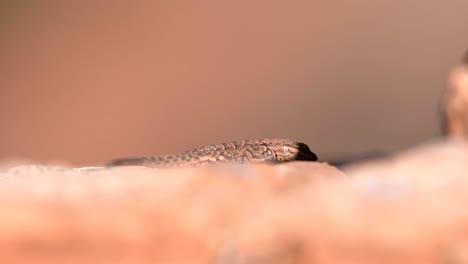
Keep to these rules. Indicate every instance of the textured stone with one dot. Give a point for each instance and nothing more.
(408, 208)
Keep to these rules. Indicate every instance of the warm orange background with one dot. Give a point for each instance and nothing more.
(86, 81)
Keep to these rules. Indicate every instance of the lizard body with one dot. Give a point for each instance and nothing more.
(260, 150)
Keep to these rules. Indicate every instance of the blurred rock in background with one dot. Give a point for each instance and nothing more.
(454, 103)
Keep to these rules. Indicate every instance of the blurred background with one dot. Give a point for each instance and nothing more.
(87, 81)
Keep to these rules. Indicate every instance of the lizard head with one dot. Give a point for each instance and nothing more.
(287, 150)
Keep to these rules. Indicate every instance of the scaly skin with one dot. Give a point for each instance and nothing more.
(251, 151)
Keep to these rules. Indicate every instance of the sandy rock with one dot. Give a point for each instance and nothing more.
(134, 214)
(408, 208)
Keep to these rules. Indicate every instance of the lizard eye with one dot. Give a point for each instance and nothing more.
(286, 150)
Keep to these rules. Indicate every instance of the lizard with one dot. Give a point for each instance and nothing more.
(246, 151)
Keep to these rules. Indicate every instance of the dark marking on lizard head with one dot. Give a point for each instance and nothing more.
(287, 150)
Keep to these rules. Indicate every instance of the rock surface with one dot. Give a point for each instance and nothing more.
(408, 208)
